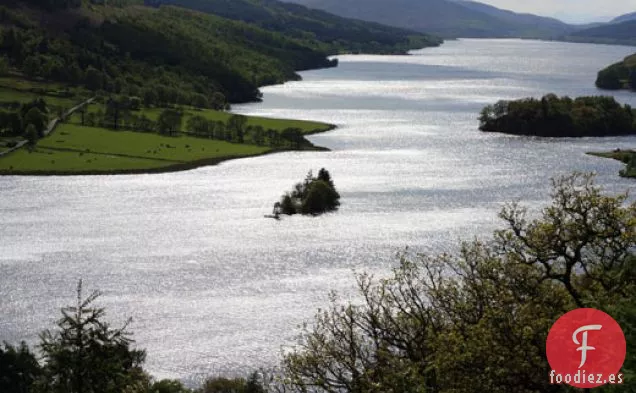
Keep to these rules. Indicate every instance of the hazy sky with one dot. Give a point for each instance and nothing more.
(569, 10)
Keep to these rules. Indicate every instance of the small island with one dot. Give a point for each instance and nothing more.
(314, 196)
(553, 116)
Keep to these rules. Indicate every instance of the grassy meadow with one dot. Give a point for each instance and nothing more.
(77, 149)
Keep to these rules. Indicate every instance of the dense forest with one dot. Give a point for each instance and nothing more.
(171, 55)
(621, 75)
(553, 116)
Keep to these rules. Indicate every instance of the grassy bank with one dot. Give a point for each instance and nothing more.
(627, 157)
(78, 150)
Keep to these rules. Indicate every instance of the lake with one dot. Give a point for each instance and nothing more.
(215, 288)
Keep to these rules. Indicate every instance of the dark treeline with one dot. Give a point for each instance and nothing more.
(618, 76)
(553, 116)
(28, 120)
(178, 54)
(124, 113)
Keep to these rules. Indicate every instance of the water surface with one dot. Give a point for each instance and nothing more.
(214, 287)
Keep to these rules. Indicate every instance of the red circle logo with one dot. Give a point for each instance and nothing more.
(586, 348)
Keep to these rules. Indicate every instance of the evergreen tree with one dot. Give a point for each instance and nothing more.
(86, 355)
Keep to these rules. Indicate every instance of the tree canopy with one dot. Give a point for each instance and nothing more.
(181, 56)
(553, 116)
(477, 320)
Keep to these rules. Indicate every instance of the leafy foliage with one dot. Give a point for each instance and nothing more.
(180, 56)
(29, 120)
(552, 116)
(477, 321)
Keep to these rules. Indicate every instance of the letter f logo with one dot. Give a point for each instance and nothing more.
(583, 345)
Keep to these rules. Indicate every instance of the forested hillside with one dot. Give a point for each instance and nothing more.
(317, 29)
(171, 55)
(621, 75)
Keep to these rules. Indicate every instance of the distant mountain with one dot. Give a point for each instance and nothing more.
(529, 24)
(324, 31)
(445, 17)
(623, 33)
(624, 18)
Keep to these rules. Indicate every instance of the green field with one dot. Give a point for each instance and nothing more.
(76, 149)
(81, 150)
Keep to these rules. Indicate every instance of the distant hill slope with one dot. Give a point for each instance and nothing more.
(444, 17)
(621, 75)
(624, 18)
(623, 33)
(324, 31)
(528, 24)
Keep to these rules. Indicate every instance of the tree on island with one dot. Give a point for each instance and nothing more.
(554, 116)
(314, 196)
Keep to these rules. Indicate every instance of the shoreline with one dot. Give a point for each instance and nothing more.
(333, 63)
(177, 167)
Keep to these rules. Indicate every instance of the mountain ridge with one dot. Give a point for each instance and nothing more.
(447, 18)
(624, 18)
(622, 33)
